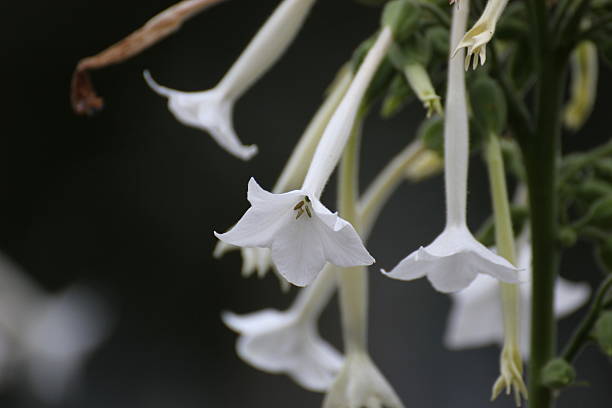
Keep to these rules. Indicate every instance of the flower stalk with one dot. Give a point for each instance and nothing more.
(511, 362)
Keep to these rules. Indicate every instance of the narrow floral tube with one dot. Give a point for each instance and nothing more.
(454, 259)
(212, 110)
(300, 231)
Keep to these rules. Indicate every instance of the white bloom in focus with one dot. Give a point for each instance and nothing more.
(476, 39)
(288, 342)
(302, 234)
(360, 384)
(476, 319)
(452, 261)
(211, 110)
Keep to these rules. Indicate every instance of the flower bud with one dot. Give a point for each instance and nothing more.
(558, 373)
(603, 332)
(488, 105)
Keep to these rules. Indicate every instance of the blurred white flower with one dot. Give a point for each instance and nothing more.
(212, 110)
(476, 319)
(454, 259)
(288, 342)
(360, 384)
(46, 339)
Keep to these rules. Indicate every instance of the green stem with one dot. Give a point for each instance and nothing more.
(541, 163)
(353, 282)
(581, 335)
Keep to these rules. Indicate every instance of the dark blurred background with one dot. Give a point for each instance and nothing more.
(127, 201)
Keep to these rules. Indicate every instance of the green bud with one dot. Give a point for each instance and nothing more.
(567, 237)
(603, 332)
(397, 95)
(431, 132)
(402, 17)
(558, 373)
(488, 105)
(438, 38)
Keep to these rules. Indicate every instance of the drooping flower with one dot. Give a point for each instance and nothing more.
(259, 259)
(300, 231)
(211, 110)
(288, 342)
(476, 318)
(476, 39)
(454, 259)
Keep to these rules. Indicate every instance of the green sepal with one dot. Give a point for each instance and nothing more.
(402, 17)
(602, 332)
(488, 105)
(558, 373)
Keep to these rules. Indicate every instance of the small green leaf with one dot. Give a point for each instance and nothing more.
(602, 332)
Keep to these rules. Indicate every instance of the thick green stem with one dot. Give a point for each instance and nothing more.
(541, 163)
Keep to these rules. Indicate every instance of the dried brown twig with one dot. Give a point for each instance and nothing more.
(83, 97)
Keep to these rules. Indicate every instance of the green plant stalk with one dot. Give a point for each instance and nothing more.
(541, 163)
(353, 282)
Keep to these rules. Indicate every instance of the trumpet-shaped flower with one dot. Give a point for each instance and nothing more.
(454, 259)
(301, 232)
(288, 342)
(360, 384)
(211, 110)
(476, 39)
(476, 317)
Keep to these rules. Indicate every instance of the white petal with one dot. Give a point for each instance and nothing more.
(452, 261)
(570, 296)
(209, 111)
(282, 343)
(360, 384)
(260, 223)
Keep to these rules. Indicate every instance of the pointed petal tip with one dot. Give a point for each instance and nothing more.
(156, 87)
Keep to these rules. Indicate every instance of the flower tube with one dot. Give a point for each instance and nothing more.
(454, 259)
(212, 110)
(475, 40)
(300, 231)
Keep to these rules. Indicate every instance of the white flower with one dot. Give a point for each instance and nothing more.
(476, 318)
(212, 110)
(476, 39)
(259, 259)
(288, 342)
(46, 339)
(302, 234)
(360, 384)
(454, 259)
